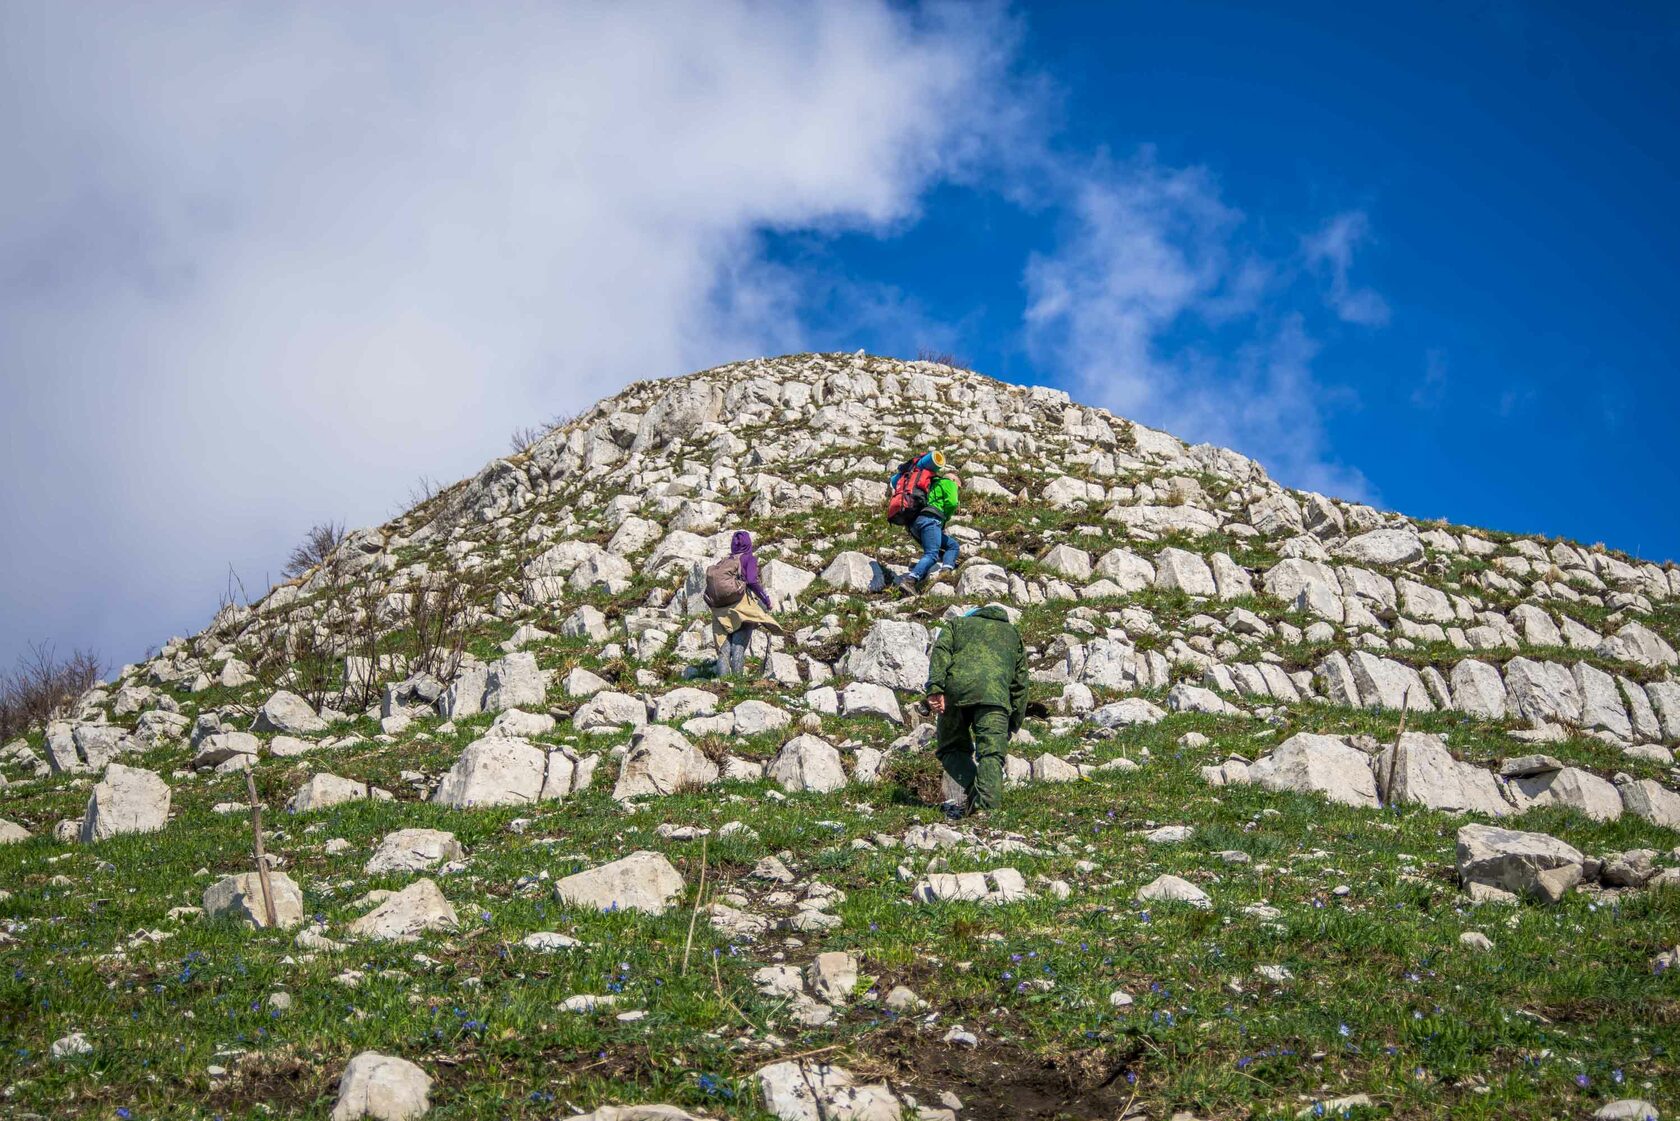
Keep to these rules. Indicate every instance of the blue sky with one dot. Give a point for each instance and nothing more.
(267, 264)
(1513, 170)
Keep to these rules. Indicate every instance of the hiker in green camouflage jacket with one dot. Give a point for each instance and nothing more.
(977, 684)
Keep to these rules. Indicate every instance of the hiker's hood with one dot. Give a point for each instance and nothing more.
(991, 611)
(740, 543)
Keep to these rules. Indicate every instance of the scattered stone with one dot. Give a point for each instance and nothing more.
(241, 897)
(642, 881)
(70, 1046)
(383, 1087)
(125, 800)
(324, 790)
(1533, 865)
(288, 713)
(413, 850)
(1326, 765)
(1171, 889)
(407, 914)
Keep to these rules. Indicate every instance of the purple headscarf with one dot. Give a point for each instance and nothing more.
(741, 545)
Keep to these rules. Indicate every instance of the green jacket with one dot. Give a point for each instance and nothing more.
(979, 659)
(942, 498)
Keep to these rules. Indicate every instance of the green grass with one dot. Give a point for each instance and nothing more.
(1384, 1000)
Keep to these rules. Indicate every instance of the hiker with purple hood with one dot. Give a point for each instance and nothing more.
(739, 604)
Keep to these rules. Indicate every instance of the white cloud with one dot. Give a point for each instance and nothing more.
(261, 265)
(1331, 249)
(1152, 258)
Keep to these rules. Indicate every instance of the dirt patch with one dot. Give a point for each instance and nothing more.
(279, 1080)
(999, 1080)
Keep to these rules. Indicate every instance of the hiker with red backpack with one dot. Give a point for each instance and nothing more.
(921, 498)
(739, 604)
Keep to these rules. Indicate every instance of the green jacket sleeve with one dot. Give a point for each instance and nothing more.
(939, 664)
(1018, 690)
(943, 497)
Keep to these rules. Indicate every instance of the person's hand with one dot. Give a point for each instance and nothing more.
(936, 704)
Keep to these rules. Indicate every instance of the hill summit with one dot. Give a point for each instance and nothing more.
(1318, 809)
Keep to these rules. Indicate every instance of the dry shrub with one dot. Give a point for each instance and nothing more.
(317, 545)
(43, 686)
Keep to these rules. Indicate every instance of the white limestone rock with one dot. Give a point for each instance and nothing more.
(125, 800)
(383, 1087)
(240, 897)
(405, 915)
(1535, 865)
(1309, 763)
(413, 850)
(807, 763)
(494, 772)
(643, 881)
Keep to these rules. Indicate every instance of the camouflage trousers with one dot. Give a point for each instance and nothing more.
(971, 742)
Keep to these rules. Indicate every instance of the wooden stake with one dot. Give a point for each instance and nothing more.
(257, 846)
(694, 915)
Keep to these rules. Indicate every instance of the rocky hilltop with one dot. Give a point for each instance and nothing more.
(1324, 808)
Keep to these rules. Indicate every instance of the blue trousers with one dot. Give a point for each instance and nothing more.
(938, 547)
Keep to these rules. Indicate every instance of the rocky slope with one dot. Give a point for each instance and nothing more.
(522, 664)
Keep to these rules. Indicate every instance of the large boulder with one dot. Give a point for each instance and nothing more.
(1307, 585)
(514, 681)
(1127, 570)
(494, 772)
(1542, 692)
(609, 709)
(680, 704)
(1179, 570)
(406, 915)
(661, 761)
(1384, 683)
(413, 850)
(241, 897)
(1309, 763)
(382, 1087)
(894, 653)
(807, 763)
(1533, 865)
(1383, 546)
(1601, 702)
(1420, 770)
(288, 713)
(1652, 801)
(784, 581)
(465, 695)
(1572, 787)
(1478, 689)
(125, 800)
(323, 790)
(856, 572)
(1639, 644)
(1065, 560)
(860, 698)
(642, 881)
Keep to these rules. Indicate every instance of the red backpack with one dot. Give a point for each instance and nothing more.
(909, 492)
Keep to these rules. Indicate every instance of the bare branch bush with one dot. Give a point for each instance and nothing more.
(940, 358)
(317, 545)
(520, 441)
(439, 623)
(43, 686)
